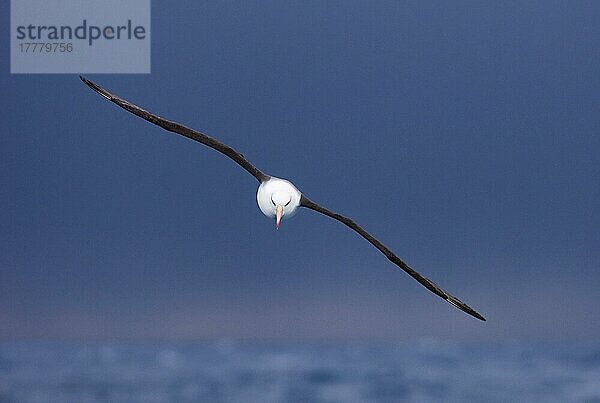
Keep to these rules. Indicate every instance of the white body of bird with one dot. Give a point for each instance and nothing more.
(278, 198)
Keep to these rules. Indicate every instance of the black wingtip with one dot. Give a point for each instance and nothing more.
(474, 314)
(478, 316)
(86, 81)
(467, 309)
(464, 307)
(96, 88)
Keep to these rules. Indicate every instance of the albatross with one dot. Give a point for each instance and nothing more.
(278, 198)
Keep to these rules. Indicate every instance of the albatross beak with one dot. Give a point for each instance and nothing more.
(279, 215)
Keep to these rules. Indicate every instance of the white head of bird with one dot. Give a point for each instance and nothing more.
(278, 199)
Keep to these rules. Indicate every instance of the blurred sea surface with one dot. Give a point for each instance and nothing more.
(427, 370)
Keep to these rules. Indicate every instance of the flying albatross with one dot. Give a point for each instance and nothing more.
(278, 198)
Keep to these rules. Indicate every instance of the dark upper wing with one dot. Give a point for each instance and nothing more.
(430, 285)
(180, 129)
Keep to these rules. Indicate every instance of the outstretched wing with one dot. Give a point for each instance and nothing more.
(180, 129)
(430, 285)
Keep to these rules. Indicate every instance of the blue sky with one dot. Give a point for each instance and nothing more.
(464, 136)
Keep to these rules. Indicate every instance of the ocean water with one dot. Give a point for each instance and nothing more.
(227, 371)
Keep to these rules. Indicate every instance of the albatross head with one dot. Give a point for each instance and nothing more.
(278, 198)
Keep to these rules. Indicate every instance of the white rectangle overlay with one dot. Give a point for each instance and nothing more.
(79, 36)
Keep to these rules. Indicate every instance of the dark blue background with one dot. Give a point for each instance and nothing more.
(463, 135)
